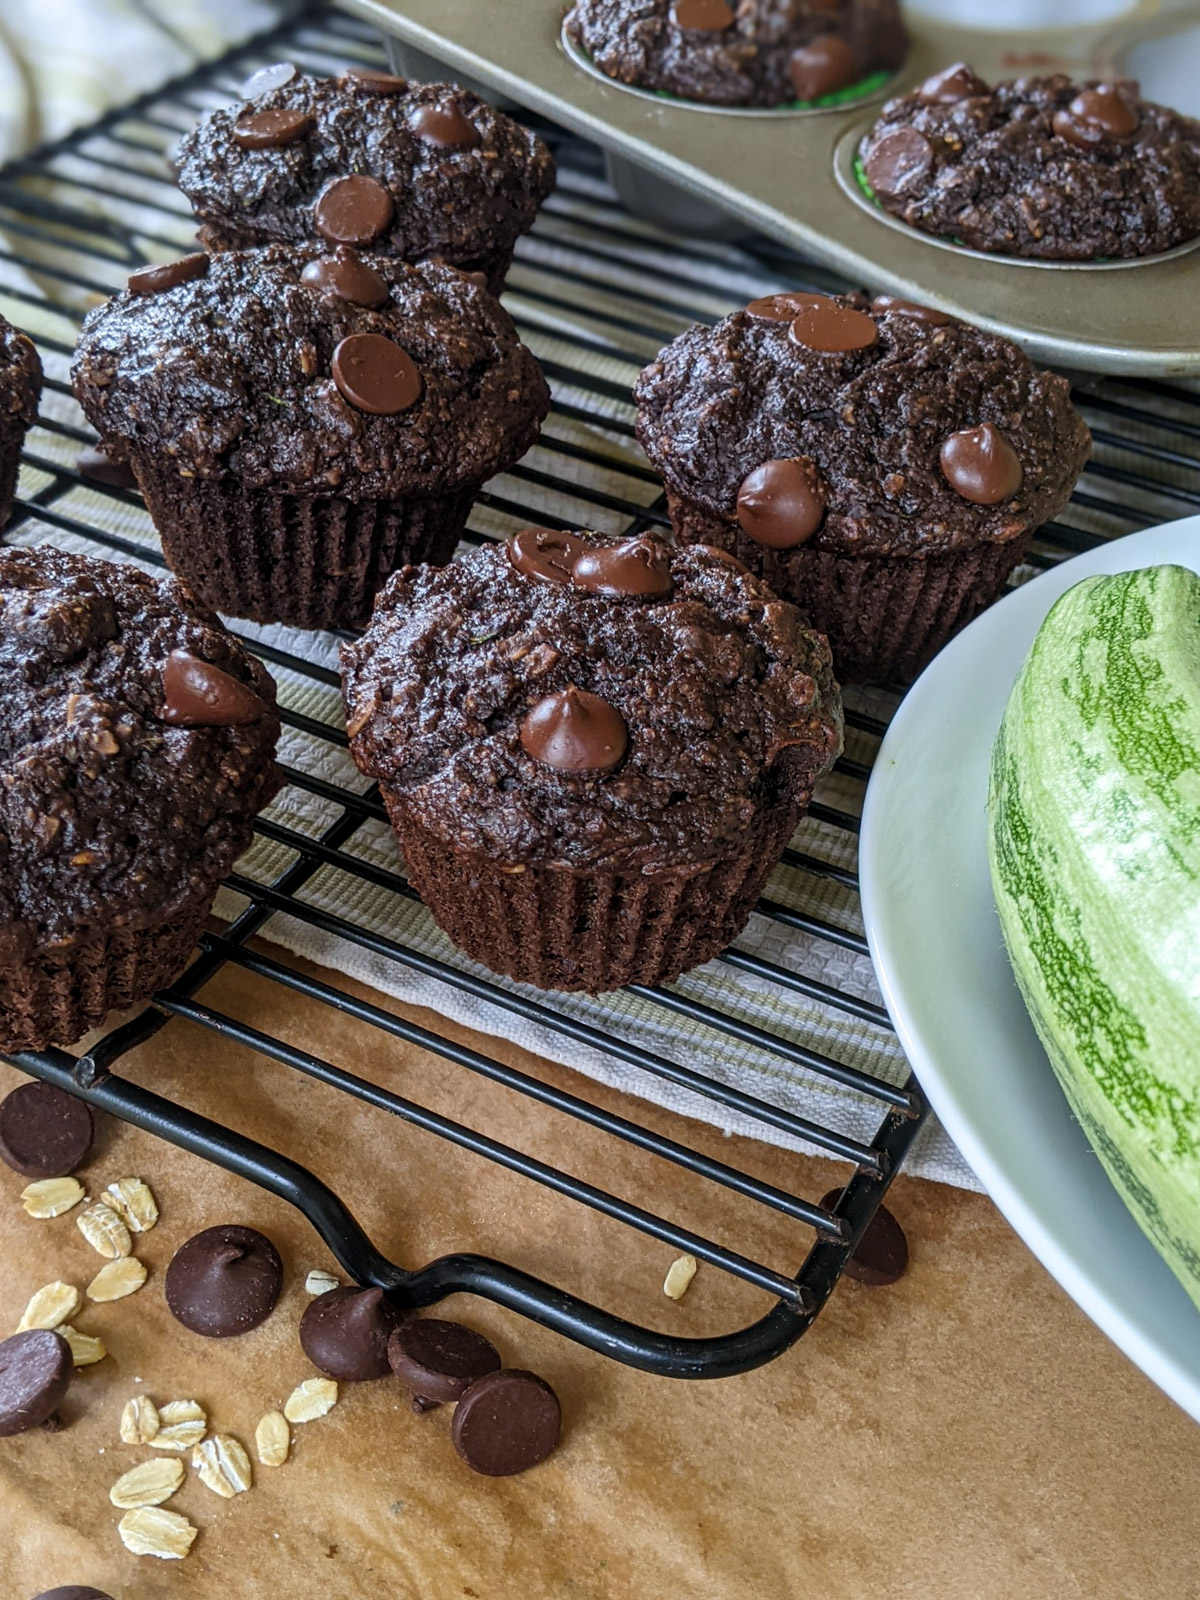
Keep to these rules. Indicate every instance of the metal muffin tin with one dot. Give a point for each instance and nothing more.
(779, 176)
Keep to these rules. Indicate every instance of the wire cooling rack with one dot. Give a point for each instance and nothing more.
(75, 218)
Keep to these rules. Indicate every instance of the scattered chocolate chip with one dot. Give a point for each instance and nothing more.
(981, 465)
(198, 695)
(353, 210)
(822, 324)
(44, 1132)
(444, 125)
(881, 1256)
(372, 81)
(823, 66)
(574, 731)
(420, 1405)
(702, 16)
(958, 82)
(376, 375)
(267, 130)
(73, 1591)
(544, 553)
(781, 503)
(635, 569)
(97, 464)
(345, 1332)
(1096, 116)
(153, 280)
(265, 79)
(347, 275)
(35, 1373)
(783, 307)
(909, 308)
(224, 1281)
(439, 1361)
(898, 161)
(506, 1422)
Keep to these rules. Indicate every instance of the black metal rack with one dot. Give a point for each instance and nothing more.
(75, 217)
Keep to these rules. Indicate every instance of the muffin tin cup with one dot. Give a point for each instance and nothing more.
(309, 561)
(885, 617)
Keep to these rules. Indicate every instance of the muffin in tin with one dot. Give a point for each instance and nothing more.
(137, 749)
(1042, 168)
(301, 423)
(20, 390)
(882, 468)
(757, 53)
(593, 751)
(415, 170)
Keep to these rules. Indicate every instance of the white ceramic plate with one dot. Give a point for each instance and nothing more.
(936, 942)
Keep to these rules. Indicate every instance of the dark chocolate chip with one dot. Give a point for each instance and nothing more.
(635, 569)
(574, 731)
(420, 1405)
(1096, 116)
(444, 125)
(782, 503)
(267, 130)
(224, 1281)
(881, 1256)
(506, 1422)
(958, 82)
(44, 1132)
(347, 275)
(783, 307)
(376, 375)
(73, 1591)
(153, 280)
(35, 1373)
(371, 81)
(265, 79)
(96, 464)
(353, 210)
(545, 553)
(901, 160)
(909, 308)
(198, 695)
(981, 465)
(702, 16)
(822, 324)
(439, 1361)
(345, 1333)
(823, 66)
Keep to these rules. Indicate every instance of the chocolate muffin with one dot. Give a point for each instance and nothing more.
(1041, 167)
(136, 750)
(882, 469)
(303, 422)
(415, 170)
(593, 751)
(20, 390)
(756, 53)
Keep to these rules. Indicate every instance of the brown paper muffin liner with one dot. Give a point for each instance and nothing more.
(12, 437)
(311, 561)
(885, 617)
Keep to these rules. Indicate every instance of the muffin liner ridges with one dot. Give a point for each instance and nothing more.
(310, 561)
(885, 617)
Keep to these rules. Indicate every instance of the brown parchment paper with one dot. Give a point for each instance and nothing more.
(964, 1435)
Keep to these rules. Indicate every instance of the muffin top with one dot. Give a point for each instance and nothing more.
(135, 750)
(567, 699)
(312, 373)
(889, 431)
(1039, 167)
(438, 171)
(20, 375)
(756, 53)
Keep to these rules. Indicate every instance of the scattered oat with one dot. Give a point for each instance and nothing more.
(104, 1231)
(311, 1399)
(272, 1439)
(139, 1420)
(319, 1282)
(50, 1197)
(182, 1425)
(117, 1278)
(679, 1276)
(148, 1484)
(50, 1307)
(86, 1349)
(133, 1202)
(223, 1465)
(150, 1531)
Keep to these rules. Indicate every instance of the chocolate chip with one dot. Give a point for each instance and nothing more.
(900, 160)
(267, 130)
(73, 1591)
(823, 66)
(781, 503)
(371, 81)
(96, 464)
(881, 1256)
(506, 1422)
(439, 1361)
(353, 210)
(347, 275)
(545, 554)
(376, 375)
(822, 324)
(224, 1281)
(635, 569)
(702, 16)
(725, 557)
(44, 1132)
(909, 308)
(958, 82)
(444, 125)
(35, 1373)
(265, 79)
(783, 307)
(981, 465)
(345, 1333)
(198, 695)
(574, 731)
(153, 280)
(1096, 116)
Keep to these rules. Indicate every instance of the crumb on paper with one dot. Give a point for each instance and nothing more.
(679, 1276)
